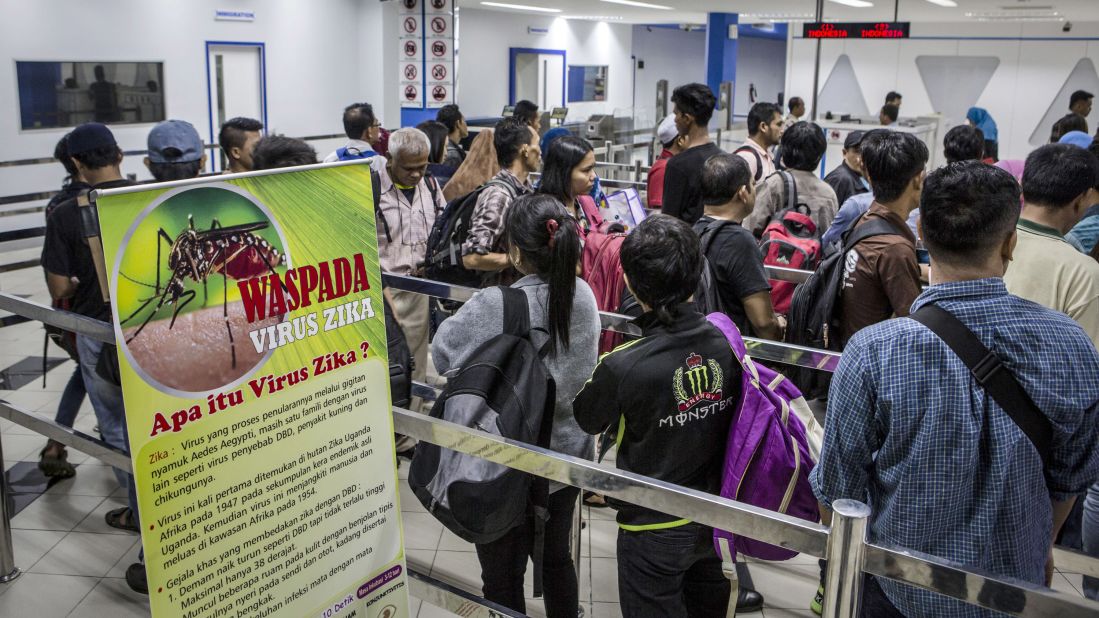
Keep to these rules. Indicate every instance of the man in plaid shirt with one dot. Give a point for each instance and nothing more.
(910, 431)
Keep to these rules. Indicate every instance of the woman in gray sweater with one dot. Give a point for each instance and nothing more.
(544, 245)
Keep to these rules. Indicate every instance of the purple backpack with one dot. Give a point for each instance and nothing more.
(774, 442)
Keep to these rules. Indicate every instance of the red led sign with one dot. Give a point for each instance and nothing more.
(869, 30)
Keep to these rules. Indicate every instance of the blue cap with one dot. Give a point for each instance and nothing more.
(174, 141)
(90, 136)
(1076, 138)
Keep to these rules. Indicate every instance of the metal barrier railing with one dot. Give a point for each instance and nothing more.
(844, 543)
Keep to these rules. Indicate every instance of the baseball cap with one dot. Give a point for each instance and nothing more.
(1076, 138)
(853, 139)
(174, 141)
(90, 136)
(667, 132)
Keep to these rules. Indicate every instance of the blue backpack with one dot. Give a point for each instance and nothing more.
(351, 154)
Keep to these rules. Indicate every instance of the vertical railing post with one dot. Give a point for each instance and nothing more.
(846, 552)
(8, 570)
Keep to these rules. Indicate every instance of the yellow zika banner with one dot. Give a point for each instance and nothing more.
(252, 352)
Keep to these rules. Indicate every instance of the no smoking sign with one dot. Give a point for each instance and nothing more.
(411, 71)
(438, 72)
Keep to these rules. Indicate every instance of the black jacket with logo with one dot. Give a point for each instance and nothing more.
(672, 394)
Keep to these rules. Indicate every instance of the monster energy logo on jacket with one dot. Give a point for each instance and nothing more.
(703, 379)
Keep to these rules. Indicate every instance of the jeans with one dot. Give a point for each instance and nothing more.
(71, 398)
(672, 572)
(504, 561)
(106, 400)
(1091, 537)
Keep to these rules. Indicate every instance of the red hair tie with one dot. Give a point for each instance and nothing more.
(551, 227)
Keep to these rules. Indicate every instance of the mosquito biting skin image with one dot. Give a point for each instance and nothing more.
(182, 321)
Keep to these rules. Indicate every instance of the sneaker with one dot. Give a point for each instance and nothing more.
(137, 579)
(817, 604)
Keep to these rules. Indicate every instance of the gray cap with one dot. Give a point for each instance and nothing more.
(174, 141)
(853, 140)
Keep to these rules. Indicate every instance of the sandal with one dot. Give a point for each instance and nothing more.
(57, 464)
(122, 518)
(594, 500)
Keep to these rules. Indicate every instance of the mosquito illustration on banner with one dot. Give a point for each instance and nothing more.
(235, 252)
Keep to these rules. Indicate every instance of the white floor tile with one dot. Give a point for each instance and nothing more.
(8, 427)
(421, 531)
(785, 586)
(420, 559)
(112, 597)
(96, 521)
(414, 607)
(31, 545)
(22, 447)
(90, 480)
(427, 610)
(128, 558)
(771, 612)
(600, 582)
(32, 398)
(1069, 583)
(605, 610)
(55, 512)
(84, 553)
(452, 542)
(409, 502)
(600, 539)
(458, 568)
(53, 596)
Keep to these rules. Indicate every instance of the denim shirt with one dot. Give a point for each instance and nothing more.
(943, 468)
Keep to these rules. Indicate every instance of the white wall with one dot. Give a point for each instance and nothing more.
(486, 36)
(1035, 60)
(320, 57)
(675, 55)
(761, 62)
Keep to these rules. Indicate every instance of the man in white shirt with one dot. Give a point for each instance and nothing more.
(361, 126)
(765, 126)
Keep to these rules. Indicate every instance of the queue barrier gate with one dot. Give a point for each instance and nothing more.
(844, 543)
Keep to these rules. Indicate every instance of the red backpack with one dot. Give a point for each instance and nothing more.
(601, 267)
(790, 240)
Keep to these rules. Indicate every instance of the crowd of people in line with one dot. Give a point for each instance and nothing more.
(947, 470)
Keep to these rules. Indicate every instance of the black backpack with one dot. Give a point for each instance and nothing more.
(400, 360)
(814, 318)
(707, 298)
(503, 389)
(451, 228)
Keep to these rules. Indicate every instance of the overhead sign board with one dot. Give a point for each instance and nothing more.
(856, 30)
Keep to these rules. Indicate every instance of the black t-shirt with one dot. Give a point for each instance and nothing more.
(682, 182)
(66, 253)
(737, 265)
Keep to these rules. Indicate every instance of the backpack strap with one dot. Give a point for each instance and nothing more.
(433, 187)
(376, 187)
(873, 227)
(789, 190)
(591, 211)
(709, 233)
(516, 312)
(991, 374)
(759, 160)
(89, 223)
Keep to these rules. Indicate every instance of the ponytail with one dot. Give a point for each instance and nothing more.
(549, 244)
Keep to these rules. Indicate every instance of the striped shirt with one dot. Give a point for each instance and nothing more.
(944, 469)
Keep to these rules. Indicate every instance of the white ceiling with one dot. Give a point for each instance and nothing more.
(694, 11)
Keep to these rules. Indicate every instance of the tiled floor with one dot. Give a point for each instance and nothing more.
(74, 563)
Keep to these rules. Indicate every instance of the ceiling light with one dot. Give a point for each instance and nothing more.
(858, 4)
(594, 17)
(521, 7)
(643, 5)
(946, 3)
